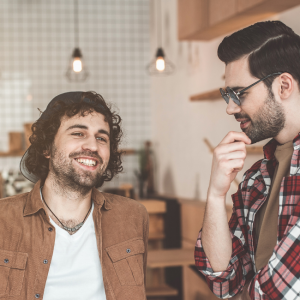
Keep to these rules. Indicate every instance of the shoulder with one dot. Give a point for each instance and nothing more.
(17, 201)
(12, 208)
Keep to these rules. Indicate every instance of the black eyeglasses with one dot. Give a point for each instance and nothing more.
(230, 93)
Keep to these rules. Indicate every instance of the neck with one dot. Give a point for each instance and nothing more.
(66, 203)
(292, 121)
(288, 133)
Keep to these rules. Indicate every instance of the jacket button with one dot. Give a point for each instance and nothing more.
(128, 250)
(6, 260)
(45, 261)
(37, 296)
(50, 229)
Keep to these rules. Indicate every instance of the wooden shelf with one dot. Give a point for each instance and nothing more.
(154, 206)
(210, 95)
(208, 19)
(156, 236)
(129, 151)
(161, 291)
(170, 258)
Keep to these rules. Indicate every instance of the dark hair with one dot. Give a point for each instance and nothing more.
(272, 47)
(44, 131)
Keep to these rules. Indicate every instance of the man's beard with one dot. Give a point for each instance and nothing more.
(68, 177)
(267, 122)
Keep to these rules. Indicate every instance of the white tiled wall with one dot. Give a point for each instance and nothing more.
(36, 42)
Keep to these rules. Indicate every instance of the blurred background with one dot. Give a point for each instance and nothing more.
(156, 62)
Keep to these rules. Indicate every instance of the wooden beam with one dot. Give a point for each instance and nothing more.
(211, 95)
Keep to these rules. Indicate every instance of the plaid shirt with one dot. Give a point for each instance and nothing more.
(280, 278)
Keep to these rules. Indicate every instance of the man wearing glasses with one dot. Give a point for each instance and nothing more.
(257, 255)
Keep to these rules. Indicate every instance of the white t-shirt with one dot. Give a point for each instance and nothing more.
(75, 272)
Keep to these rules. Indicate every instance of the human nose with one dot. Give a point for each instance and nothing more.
(90, 144)
(232, 107)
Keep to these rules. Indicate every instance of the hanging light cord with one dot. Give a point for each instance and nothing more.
(76, 25)
(159, 27)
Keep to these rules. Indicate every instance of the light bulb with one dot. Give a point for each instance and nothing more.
(160, 63)
(77, 65)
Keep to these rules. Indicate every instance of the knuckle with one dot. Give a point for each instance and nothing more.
(217, 151)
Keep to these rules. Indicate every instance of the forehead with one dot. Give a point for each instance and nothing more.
(92, 120)
(237, 73)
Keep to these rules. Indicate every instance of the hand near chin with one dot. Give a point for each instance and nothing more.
(228, 159)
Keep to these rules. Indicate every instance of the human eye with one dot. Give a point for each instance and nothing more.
(77, 133)
(101, 139)
(242, 96)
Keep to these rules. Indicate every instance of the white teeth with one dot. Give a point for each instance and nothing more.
(87, 162)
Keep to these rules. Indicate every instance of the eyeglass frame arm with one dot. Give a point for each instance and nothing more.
(248, 87)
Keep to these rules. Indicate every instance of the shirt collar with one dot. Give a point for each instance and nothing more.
(270, 147)
(34, 203)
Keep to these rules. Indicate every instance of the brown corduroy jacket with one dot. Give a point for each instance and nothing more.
(27, 241)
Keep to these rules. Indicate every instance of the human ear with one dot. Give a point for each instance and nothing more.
(46, 153)
(286, 85)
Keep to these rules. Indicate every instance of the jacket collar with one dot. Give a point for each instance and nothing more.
(34, 203)
(270, 147)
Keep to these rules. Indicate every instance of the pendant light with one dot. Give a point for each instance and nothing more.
(160, 65)
(77, 70)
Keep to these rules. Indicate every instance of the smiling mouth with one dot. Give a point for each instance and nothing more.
(87, 162)
(245, 121)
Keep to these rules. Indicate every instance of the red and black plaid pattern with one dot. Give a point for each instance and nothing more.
(280, 278)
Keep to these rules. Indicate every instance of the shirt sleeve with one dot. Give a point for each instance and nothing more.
(231, 281)
(280, 278)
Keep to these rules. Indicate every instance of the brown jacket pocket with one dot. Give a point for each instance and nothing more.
(127, 259)
(12, 271)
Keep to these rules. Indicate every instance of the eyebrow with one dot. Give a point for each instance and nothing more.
(85, 127)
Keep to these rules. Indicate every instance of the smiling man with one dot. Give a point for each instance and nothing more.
(65, 239)
(257, 255)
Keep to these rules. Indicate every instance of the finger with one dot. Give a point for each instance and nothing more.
(233, 155)
(236, 165)
(233, 136)
(230, 166)
(227, 148)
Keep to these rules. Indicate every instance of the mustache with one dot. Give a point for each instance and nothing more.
(87, 153)
(241, 116)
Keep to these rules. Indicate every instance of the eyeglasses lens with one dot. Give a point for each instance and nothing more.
(224, 95)
(233, 96)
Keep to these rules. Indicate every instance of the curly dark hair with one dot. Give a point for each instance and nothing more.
(45, 129)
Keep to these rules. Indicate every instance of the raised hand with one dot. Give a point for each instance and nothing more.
(228, 159)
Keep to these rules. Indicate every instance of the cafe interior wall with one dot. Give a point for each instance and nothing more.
(36, 43)
(179, 125)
